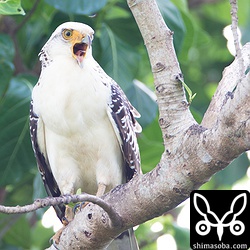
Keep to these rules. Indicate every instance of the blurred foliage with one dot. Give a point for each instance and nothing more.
(118, 47)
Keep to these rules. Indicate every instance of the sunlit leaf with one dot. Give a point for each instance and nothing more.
(11, 7)
(191, 96)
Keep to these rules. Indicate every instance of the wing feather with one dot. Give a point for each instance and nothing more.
(122, 116)
(49, 181)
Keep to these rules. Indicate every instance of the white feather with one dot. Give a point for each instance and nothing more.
(71, 102)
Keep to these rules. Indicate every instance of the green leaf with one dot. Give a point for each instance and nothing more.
(188, 40)
(6, 71)
(235, 171)
(191, 96)
(174, 21)
(119, 60)
(16, 156)
(247, 70)
(82, 7)
(151, 146)
(11, 7)
(6, 66)
(126, 29)
(7, 49)
(219, 11)
(147, 238)
(40, 236)
(182, 237)
(144, 100)
(19, 235)
(181, 4)
(20, 192)
(38, 191)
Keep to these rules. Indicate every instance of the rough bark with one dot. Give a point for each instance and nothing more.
(193, 152)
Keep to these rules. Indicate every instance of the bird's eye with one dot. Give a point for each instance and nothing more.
(67, 34)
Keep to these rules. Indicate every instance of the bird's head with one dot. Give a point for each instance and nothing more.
(70, 39)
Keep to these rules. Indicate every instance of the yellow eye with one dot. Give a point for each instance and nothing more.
(67, 34)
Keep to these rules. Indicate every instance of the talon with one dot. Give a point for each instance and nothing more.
(56, 238)
(65, 221)
(78, 207)
(69, 215)
(84, 204)
(52, 242)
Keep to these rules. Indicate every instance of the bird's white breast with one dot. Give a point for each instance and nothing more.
(81, 145)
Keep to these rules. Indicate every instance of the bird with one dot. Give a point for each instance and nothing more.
(83, 127)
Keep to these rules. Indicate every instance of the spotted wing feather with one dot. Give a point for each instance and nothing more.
(123, 116)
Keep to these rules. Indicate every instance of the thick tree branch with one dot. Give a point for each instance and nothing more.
(230, 81)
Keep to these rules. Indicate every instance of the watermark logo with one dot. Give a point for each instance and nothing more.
(220, 219)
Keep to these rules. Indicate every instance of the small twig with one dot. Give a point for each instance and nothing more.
(66, 199)
(234, 28)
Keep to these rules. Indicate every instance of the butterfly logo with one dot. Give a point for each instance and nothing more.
(210, 219)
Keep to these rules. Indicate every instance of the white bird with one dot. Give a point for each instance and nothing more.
(82, 126)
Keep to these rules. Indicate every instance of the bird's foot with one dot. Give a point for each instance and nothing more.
(79, 206)
(69, 216)
(56, 238)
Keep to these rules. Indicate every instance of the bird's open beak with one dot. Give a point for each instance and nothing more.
(80, 49)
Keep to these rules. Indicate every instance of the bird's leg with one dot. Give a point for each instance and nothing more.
(101, 189)
(55, 239)
(100, 192)
(69, 215)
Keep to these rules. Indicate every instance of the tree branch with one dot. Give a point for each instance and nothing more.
(66, 199)
(234, 26)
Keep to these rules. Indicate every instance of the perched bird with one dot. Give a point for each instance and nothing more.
(83, 127)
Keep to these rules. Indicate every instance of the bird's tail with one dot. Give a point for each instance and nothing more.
(125, 241)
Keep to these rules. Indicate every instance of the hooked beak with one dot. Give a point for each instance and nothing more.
(80, 49)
